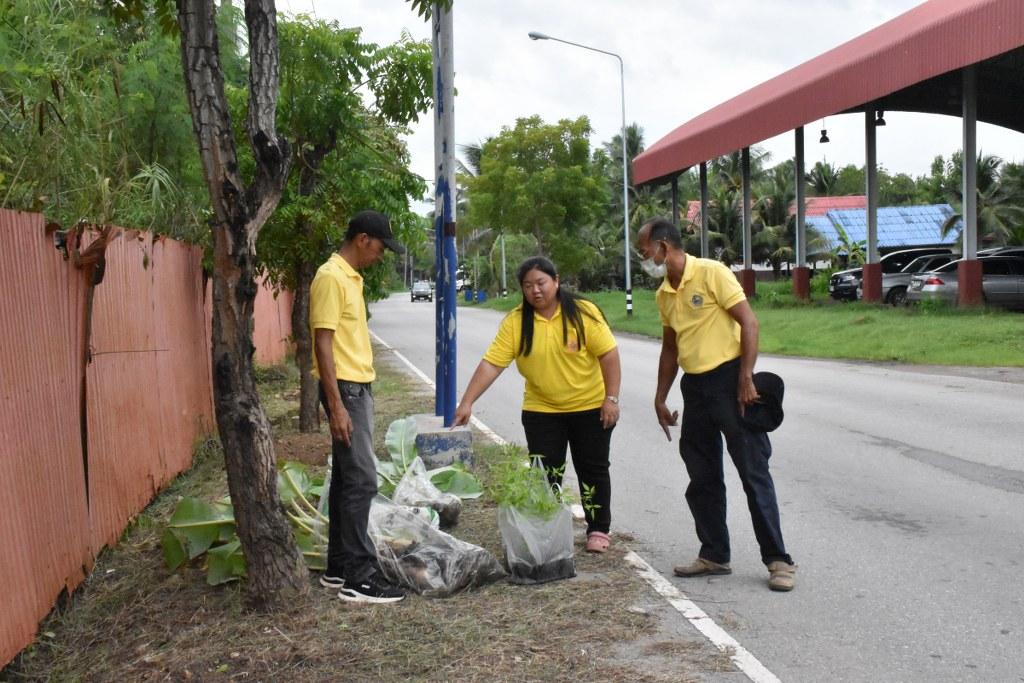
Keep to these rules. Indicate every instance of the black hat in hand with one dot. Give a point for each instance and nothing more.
(766, 414)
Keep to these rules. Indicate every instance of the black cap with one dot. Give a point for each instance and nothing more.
(766, 414)
(375, 224)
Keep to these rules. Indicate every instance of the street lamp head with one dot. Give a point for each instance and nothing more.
(536, 35)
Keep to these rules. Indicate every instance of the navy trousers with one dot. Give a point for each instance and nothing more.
(711, 410)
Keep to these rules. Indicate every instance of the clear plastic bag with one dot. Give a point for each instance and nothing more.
(426, 560)
(537, 549)
(416, 489)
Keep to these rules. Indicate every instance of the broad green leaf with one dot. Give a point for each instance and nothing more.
(401, 441)
(225, 563)
(198, 524)
(174, 552)
(313, 552)
(457, 481)
(227, 532)
(293, 480)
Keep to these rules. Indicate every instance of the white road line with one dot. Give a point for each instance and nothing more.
(487, 431)
(741, 657)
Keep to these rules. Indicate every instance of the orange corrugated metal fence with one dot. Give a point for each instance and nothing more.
(148, 398)
(272, 329)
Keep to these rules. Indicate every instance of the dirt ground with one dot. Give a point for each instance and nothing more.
(133, 620)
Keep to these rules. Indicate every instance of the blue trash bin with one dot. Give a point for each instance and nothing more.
(468, 295)
(481, 296)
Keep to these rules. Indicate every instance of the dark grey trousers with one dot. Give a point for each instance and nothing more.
(350, 552)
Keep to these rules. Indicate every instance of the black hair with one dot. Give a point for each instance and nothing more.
(664, 230)
(571, 311)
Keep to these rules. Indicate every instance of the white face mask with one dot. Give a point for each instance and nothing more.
(655, 270)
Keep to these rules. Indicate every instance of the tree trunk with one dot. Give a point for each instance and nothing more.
(276, 571)
(309, 413)
(310, 162)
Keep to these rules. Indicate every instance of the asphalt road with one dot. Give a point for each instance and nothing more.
(902, 499)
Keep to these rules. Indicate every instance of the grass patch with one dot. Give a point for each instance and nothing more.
(133, 620)
(932, 333)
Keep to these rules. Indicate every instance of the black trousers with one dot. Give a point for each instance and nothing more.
(548, 435)
(711, 410)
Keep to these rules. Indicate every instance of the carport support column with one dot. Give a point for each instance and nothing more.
(748, 279)
(969, 271)
(675, 201)
(704, 253)
(872, 279)
(801, 274)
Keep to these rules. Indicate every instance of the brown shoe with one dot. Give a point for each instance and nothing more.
(701, 567)
(781, 576)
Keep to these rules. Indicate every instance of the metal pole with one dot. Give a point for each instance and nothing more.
(675, 201)
(871, 188)
(444, 210)
(625, 192)
(969, 164)
(534, 35)
(801, 230)
(748, 250)
(504, 280)
(704, 246)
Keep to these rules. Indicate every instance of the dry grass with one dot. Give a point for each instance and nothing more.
(132, 620)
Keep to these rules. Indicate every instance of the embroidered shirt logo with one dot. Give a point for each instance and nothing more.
(572, 346)
(697, 300)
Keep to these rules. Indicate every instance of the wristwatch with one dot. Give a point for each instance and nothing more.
(613, 399)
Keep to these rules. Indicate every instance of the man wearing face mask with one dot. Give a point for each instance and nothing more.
(710, 331)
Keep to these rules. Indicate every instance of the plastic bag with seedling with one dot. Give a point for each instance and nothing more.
(534, 519)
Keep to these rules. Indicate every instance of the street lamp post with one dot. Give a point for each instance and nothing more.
(534, 35)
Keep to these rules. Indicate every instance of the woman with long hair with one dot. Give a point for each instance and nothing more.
(562, 346)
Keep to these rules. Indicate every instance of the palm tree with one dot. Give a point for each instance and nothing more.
(728, 169)
(613, 172)
(999, 204)
(725, 224)
(822, 179)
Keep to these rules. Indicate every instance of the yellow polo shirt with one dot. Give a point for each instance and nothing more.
(706, 335)
(336, 303)
(560, 377)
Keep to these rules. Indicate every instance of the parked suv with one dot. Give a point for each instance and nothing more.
(843, 284)
(421, 290)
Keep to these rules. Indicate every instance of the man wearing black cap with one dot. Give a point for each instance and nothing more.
(344, 363)
(710, 331)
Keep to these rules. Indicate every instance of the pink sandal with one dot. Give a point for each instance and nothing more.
(597, 542)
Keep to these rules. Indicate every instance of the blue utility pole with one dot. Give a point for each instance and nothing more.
(444, 213)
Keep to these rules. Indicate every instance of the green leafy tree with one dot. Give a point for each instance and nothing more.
(537, 178)
(896, 190)
(93, 120)
(850, 180)
(323, 69)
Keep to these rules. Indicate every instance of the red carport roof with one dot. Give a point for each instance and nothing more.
(907, 64)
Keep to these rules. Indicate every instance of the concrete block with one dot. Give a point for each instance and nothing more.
(438, 445)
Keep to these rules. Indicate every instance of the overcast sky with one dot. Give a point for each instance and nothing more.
(682, 57)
